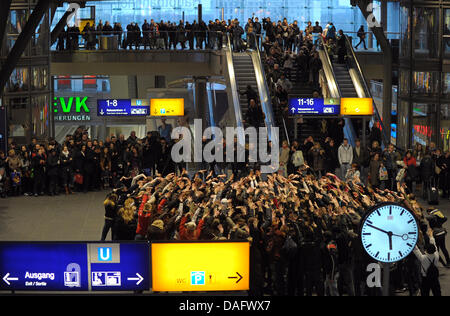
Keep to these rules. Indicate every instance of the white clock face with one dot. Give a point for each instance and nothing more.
(389, 233)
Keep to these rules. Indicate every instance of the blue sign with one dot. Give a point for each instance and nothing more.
(120, 267)
(74, 266)
(43, 267)
(123, 107)
(198, 278)
(314, 106)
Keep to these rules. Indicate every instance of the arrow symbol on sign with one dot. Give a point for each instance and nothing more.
(139, 279)
(6, 279)
(235, 277)
(101, 112)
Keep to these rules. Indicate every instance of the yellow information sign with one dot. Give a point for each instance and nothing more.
(200, 266)
(167, 107)
(356, 106)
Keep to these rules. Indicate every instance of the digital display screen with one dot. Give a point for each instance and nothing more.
(123, 107)
(314, 106)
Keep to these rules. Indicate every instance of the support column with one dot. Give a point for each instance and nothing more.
(201, 101)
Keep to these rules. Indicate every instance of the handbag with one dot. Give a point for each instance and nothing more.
(78, 178)
(437, 170)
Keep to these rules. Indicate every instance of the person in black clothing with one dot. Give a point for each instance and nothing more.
(436, 219)
(110, 205)
(362, 36)
(137, 35)
(88, 168)
(38, 163)
(190, 35)
(342, 51)
(52, 165)
(146, 34)
(66, 173)
(117, 30)
(254, 116)
(251, 94)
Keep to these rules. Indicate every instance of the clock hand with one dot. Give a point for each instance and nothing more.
(390, 241)
(383, 231)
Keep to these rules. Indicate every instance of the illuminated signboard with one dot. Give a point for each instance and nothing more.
(167, 107)
(123, 107)
(74, 266)
(71, 109)
(313, 106)
(356, 106)
(200, 266)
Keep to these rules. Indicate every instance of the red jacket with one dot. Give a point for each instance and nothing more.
(410, 162)
(185, 235)
(143, 217)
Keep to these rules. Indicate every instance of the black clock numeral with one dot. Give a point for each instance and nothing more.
(376, 256)
(400, 253)
(368, 246)
(409, 244)
(410, 221)
(389, 256)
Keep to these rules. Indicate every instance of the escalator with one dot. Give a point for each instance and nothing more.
(245, 76)
(347, 81)
(245, 69)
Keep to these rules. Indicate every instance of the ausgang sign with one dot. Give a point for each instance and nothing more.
(71, 109)
(200, 266)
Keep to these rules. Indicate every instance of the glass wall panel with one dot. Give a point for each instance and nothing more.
(446, 33)
(445, 126)
(18, 81)
(426, 32)
(17, 21)
(424, 123)
(40, 116)
(340, 12)
(404, 82)
(405, 30)
(403, 124)
(425, 82)
(39, 78)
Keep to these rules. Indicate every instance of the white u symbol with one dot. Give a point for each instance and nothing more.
(102, 255)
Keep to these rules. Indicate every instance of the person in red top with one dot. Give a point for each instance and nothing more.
(411, 169)
(188, 229)
(144, 214)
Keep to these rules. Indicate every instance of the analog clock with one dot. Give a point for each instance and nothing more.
(389, 232)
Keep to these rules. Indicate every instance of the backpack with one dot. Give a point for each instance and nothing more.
(384, 174)
(297, 158)
(432, 273)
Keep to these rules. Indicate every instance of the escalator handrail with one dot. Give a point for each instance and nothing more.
(234, 90)
(322, 47)
(351, 134)
(269, 119)
(367, 92)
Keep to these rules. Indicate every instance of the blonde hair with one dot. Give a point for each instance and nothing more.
(127, 214)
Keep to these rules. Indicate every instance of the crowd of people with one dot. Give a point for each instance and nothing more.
(303, 228)
(302, 221)
(194, 35)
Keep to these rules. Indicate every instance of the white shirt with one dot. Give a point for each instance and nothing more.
(427, 259)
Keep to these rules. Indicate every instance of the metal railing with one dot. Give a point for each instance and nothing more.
(173, 40)
(265, 96)
(234, 90)
(353, 62)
